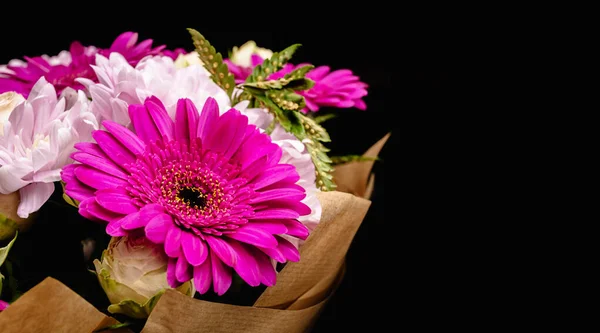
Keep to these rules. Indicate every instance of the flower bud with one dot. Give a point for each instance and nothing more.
(133, 274)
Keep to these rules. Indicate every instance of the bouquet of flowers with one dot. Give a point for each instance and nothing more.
(197, 184)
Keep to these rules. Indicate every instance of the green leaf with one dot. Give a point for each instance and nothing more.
(294, 80)
(4, 254)
(287, 99)
(351, 158)
(4, 250)
(8, 228)
(313, 129)
(113, 327)
(213, 62)
(297, 78)
(322, 118)
(318, 152)
(67, 198)
(272, 65)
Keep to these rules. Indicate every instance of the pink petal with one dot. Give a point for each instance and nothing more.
(125, 136)
(274, 227)
(246, 266)
(116, 200)
(194, 248)
(113, 148)
(173, 242)
(268, 276)
(171, 273)
(132, 221)
(296, 229)
(90, 148)
(275, 174)
(273, 253)
(254, 236)
(157, 228)
(277, 194)
(203, 276)
(94, 209)
(143, 123)
(208, 118)
(186, 120)
(99, 163)
(67, 174)
(295, 205)
(287, 249)
(99, 180)
(161, 118)
(183, 271)
(221, 275)
(222, 249)
(231, 127)
(113, 228)
(360, 104)
(277, 213)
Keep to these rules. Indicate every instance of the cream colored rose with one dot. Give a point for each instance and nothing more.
(8, 101)
(186, 60)
(242, 56)
(133, 274)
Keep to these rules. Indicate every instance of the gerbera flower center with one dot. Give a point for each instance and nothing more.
(201, 190)
(193, 197)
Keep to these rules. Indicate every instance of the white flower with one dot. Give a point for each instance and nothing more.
(186, 60)
(120, 85)
(36, 142)
(133, 274)
(242, 56)
(8, 101)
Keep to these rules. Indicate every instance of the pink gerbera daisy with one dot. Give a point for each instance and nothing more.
(339, 88)
(209, 188)
(62, 70)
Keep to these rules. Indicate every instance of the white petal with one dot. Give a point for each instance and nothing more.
(11, 177)
(33, 196)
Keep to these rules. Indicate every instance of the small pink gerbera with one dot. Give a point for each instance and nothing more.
(62, 70)
(210, 188)
(339, 89)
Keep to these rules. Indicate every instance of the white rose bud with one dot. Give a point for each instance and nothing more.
(133, 274)
(242, 56)
(8, 101)
(186, 60)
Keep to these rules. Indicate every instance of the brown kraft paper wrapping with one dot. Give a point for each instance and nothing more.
(302, 288)
(292, 305)
(52, 307)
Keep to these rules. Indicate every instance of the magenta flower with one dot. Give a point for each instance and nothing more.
(62, 70)
(3, 305)
(209, 188)
(339, 89)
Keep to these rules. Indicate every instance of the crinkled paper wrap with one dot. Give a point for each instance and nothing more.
(53, 308)
(291, 305)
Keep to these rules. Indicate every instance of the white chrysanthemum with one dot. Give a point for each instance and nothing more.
(37, 141)
(120, 85)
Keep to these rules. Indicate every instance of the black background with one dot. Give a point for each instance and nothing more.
(409, 75)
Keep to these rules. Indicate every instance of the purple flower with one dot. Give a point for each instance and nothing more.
(62, 70)
(210, 188)
(339, 88)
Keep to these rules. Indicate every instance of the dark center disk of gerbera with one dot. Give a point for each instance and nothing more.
(192, 197)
